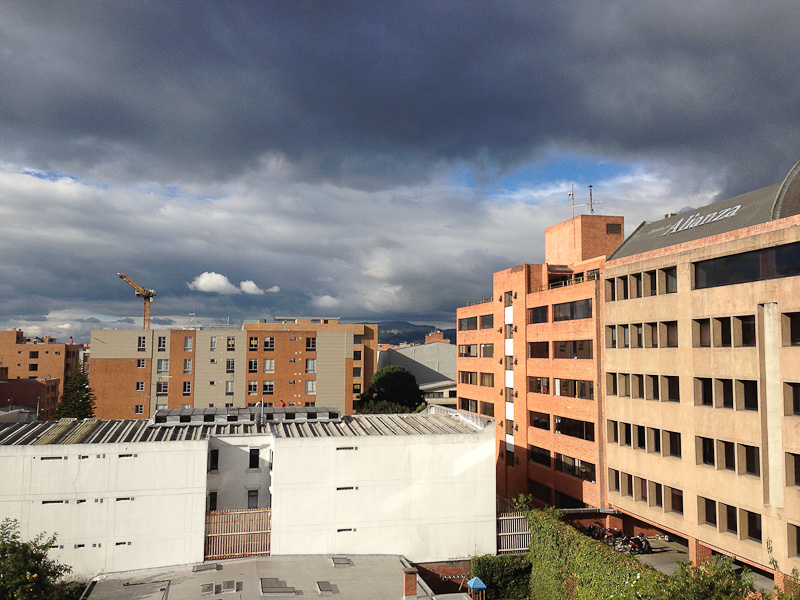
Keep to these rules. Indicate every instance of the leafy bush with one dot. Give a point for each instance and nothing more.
(505, 576)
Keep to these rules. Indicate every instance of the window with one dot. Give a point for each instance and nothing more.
(468, 350)
(731, 518)
(162, 343)
(33, 354)
(611, 384)
(749, 392)
(252, 344)
(627, 435)
(269, 365)
(538, 350)
(539, 385)
(583, 430)
(187, 364)
(162, 388)
(539, 455)
(537, 315)
(252, 365)
(709, 511)
(612, 428)
(641, 437)
(766, 263)
(792, 398)
(613, 229)
(624, 336)
(187, 388)
(254, 457)
(252, 498)
(358, 339)
(747, 326)
(188, 343)
(212, 501)
(613, 480)
(468, 405)
(611, 336)
(140, 386)
(702, 333)
(356, 355)
(722, 332)
(573, 349)
(676, 500)
(311, 344)
(658, 495)
(487, 379)
(269, 344)
(213, 343)
(636, 285)
(568, 311)
(704, 388)
(141, 344)
(487, 350)
(356, 388)
(468, 377)
(539, 420)
(655, 440)
(487, 409)
(356, 372)
(311, 365)
(508, 298)
(229, 388)
(487, 321)
(252, 388)
(729, 455)
(575, 467)
(140, 363)
(791, 325)
(651, 335)
(33, 367)
(311, 387)
(752, 465)
(230, 343)
(162, 366)
(725, 393)
(268, 388)
(138, 409)
(670, 333)
(230, 365)
(611, 290)
(573, 388)
(672, 388)
(468, 324)
(753, 526)
(674, 444)
(670, 280)
(707, 451)
(292, 339)
(540, 491)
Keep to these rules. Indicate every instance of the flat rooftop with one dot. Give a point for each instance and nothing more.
(378, 425)
(351, 577)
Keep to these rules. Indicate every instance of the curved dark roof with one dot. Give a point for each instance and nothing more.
(759, 206)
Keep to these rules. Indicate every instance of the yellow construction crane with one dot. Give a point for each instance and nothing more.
(140, 292)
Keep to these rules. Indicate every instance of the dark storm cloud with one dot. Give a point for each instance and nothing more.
(375, 92)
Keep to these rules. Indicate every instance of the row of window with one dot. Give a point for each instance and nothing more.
(252, 500)
(568, 388)
(561, 462)
(641, 285)
(649, 439)
(471, 378)
(565, 311)
(577, 428)
(726, 518)
(665, 388)
(724, 332)
(473, 323)
(476, 351)
(563, 349)
(544, 493)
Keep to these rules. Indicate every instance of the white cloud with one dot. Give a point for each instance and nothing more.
(209, 281)
(274, 289)
(250, 287)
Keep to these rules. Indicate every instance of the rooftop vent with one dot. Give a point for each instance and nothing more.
(341, 561)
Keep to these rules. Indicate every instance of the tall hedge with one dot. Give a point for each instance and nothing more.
(505, 575)
(569, 565)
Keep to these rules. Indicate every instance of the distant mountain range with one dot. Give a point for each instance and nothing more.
(397, 332)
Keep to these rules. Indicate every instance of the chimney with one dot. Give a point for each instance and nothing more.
(409, 584)
(70, 339)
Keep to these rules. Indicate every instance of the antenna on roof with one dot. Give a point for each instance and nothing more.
(591, 205)
(572, 200)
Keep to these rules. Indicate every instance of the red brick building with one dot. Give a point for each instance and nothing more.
(42, 359)
(529, 356)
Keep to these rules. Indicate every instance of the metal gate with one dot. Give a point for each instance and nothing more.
(238, 533)
(513, 535)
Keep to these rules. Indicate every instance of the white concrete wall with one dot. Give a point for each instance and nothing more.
(427, 497)
(128, 512)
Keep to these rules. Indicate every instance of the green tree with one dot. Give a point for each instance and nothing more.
(26, 572)
(392, 389)
(715, 579)
(78, 400)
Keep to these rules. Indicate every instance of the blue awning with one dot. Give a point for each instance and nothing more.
(476, 584)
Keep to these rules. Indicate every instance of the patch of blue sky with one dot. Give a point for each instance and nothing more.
(172, 191)
(556, 168)
(48, 175)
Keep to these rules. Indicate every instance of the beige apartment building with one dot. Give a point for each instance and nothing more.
(702, 377)
(529, 356)
(290, 362)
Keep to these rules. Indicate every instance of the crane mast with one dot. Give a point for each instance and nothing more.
(145, 294)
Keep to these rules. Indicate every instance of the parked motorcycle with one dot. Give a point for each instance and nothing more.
(639, 545)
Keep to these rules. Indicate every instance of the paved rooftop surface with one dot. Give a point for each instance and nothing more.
(359, 578)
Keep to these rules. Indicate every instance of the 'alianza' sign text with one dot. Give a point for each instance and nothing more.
(698, 219)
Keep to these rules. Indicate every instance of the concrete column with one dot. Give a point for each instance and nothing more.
(772, 406)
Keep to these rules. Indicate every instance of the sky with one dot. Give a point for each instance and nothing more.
(363, 160)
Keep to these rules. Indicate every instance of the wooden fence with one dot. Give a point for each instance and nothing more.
(513, 535)
(238, 533)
